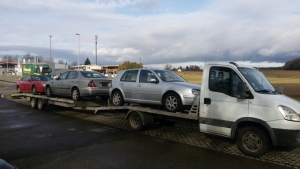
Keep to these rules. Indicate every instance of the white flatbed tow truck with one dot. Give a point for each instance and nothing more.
(236, 101)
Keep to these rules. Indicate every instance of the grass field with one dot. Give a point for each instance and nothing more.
(289, 80)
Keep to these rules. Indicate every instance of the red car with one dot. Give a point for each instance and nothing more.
(32, 84)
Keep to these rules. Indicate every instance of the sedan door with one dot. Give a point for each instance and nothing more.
(66, 84)
(147, 91)
(57, 84)
(128, 84)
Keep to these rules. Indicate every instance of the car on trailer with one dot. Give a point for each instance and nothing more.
(32, 84)
(153, 87)
(79, 83)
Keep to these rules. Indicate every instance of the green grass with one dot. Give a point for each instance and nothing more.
(2, 85)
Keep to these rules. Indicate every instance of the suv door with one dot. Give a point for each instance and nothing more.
(128, 84)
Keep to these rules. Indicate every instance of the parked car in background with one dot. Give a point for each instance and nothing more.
(156, 87)
(79, 83)
(32, 84)
(108, 75)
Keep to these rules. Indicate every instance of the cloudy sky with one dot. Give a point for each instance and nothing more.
(155, 32)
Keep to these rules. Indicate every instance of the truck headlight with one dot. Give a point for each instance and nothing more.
(196, 91)
(288, 113)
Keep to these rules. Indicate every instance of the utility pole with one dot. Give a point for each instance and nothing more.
(96, 37)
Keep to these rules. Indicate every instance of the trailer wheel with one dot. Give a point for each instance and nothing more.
(48, 91)
(135, 121)
(75, 94)
(117, 98)
(34, 92)
(172, 102)
(41, 104)
(253, 141)
(33, 102)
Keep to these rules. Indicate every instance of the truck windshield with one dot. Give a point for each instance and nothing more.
(168, 76)
(46, 70)
(257, 80)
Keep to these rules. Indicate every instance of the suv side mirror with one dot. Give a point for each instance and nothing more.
(241, 91)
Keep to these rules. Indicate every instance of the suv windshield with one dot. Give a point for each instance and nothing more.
(257, 80)
(168, 76)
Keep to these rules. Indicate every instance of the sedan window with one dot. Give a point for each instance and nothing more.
(90, 74)
(64, 75)
(145, 76)
(73, 75)
(130, 76)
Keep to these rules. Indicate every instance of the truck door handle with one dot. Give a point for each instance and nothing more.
(139, 85)
(121, 84)
(207, 100)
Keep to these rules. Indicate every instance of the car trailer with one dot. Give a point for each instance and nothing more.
(138, 116)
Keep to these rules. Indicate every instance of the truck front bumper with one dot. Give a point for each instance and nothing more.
(286, 137)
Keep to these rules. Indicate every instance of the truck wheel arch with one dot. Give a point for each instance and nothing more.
(246, 121)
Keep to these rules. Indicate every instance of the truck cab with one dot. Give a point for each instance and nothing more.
(238, 102)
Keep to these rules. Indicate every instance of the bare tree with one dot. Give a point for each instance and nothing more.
(8, 58)
(74, 63)
(168, 67)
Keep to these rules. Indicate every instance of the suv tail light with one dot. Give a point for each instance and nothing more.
(91, 84)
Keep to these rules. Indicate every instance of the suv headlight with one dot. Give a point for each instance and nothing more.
(288, 113)
(196, 91)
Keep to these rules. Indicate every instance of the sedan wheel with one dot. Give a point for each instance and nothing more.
(172, 102)
(75, 94)
(117, 98)
(48, 91)
(34, 92)
(18, 89)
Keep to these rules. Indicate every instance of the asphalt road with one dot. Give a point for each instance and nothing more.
(34, 139)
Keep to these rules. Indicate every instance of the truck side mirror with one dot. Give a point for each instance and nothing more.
(241, 90)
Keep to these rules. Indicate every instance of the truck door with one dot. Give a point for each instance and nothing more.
(221, 108)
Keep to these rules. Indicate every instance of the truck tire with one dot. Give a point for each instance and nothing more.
(172, 102)
(41, 104)
(135, 121)
(117, 98)
(48, 91)
(253, 141)
(33, 102)
(75, 94)
(34, 92)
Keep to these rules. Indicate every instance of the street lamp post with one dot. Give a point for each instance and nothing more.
(78, 49)
(50, 49)
(96, 37)
(7, 65)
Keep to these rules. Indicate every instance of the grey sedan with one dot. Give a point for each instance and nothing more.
(155, 87)
(79, 83)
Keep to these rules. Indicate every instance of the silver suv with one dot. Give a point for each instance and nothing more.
(155, 87)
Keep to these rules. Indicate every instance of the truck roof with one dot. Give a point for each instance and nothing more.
(228, 64)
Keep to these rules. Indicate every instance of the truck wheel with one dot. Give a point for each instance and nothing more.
(135, 121)
(117, 98)
(33, 102)
(34, 92)
(253, 141)
(172, 102)
(41, 104)
(75, 94)
(48, 91)
(18, 89)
